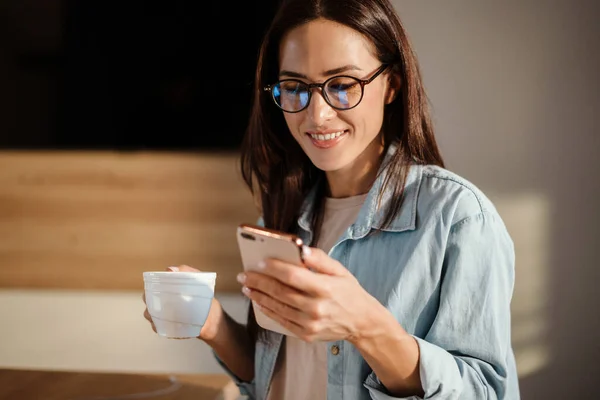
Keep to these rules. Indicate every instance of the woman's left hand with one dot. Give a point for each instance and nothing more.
(325, 303)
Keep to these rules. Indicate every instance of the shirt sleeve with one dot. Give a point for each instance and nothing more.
(465, 355)
(247, 389)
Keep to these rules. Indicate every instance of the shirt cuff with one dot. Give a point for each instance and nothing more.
(438, 370)
(246, 388)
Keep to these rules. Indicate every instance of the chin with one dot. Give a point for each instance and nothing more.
(329, 164)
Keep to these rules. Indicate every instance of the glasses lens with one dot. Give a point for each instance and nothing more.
(291, 95)
(343, 92)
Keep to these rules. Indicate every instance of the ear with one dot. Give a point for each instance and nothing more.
(394, 84)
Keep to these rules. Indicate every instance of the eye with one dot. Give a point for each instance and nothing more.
(292, 87)
(343, 84)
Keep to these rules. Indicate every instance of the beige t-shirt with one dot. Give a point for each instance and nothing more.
(301, 368)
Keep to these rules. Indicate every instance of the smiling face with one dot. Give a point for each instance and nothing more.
(337, 142)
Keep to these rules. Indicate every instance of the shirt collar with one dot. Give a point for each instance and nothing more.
(372, 213)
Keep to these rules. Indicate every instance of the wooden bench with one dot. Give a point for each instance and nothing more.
(67, 385)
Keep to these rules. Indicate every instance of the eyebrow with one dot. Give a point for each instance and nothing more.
(345, 68)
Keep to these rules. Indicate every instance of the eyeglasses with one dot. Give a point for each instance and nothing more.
(341, 92)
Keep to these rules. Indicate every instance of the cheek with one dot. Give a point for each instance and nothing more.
(371, 112)
(375, 98)
(293, 122)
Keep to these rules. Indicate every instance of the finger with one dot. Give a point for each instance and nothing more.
(299, 278)
(274, 288)
(284, 310)
(287, 324)
(147, 315)
(182, 268)
(319, 261)
(149, 318)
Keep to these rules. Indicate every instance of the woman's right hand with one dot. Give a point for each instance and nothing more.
(215, 315)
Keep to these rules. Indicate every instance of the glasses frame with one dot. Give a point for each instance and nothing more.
(321, 86)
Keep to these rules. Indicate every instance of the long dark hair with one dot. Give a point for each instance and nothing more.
(273, 164)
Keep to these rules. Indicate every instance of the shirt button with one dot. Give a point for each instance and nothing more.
(335, 350)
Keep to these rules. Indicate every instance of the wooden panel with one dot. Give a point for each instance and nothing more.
(97, 220)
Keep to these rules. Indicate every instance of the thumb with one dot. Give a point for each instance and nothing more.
(318, 261)
(182, 268)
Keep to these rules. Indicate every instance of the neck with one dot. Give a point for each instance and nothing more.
(358, 177)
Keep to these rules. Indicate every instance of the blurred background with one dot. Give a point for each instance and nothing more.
(120, 125)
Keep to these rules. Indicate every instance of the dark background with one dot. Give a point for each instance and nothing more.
(128, 75)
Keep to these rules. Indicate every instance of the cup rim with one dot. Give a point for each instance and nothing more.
(179, 275)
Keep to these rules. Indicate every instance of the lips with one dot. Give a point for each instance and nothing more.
(327, 139)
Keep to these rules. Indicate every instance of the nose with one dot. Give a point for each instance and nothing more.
(319, 111)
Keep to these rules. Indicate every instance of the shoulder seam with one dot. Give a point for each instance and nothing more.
(465, 220)
(451, 179)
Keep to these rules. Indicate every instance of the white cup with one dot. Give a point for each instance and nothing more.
(179, 302)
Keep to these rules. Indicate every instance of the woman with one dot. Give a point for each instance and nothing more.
(411, 269)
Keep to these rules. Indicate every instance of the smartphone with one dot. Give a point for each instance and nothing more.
(256, 244)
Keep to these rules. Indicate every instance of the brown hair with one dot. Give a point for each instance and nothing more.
(273, 163)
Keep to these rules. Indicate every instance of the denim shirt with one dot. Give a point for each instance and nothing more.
(445, 269)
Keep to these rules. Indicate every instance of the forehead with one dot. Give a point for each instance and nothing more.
(322, 45)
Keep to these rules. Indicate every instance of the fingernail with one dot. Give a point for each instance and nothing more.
(261, 264)
(246, 291)
(306, 251)
(173, 269)
(241, 277)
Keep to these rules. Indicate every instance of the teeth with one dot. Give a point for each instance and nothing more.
(328, 136)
